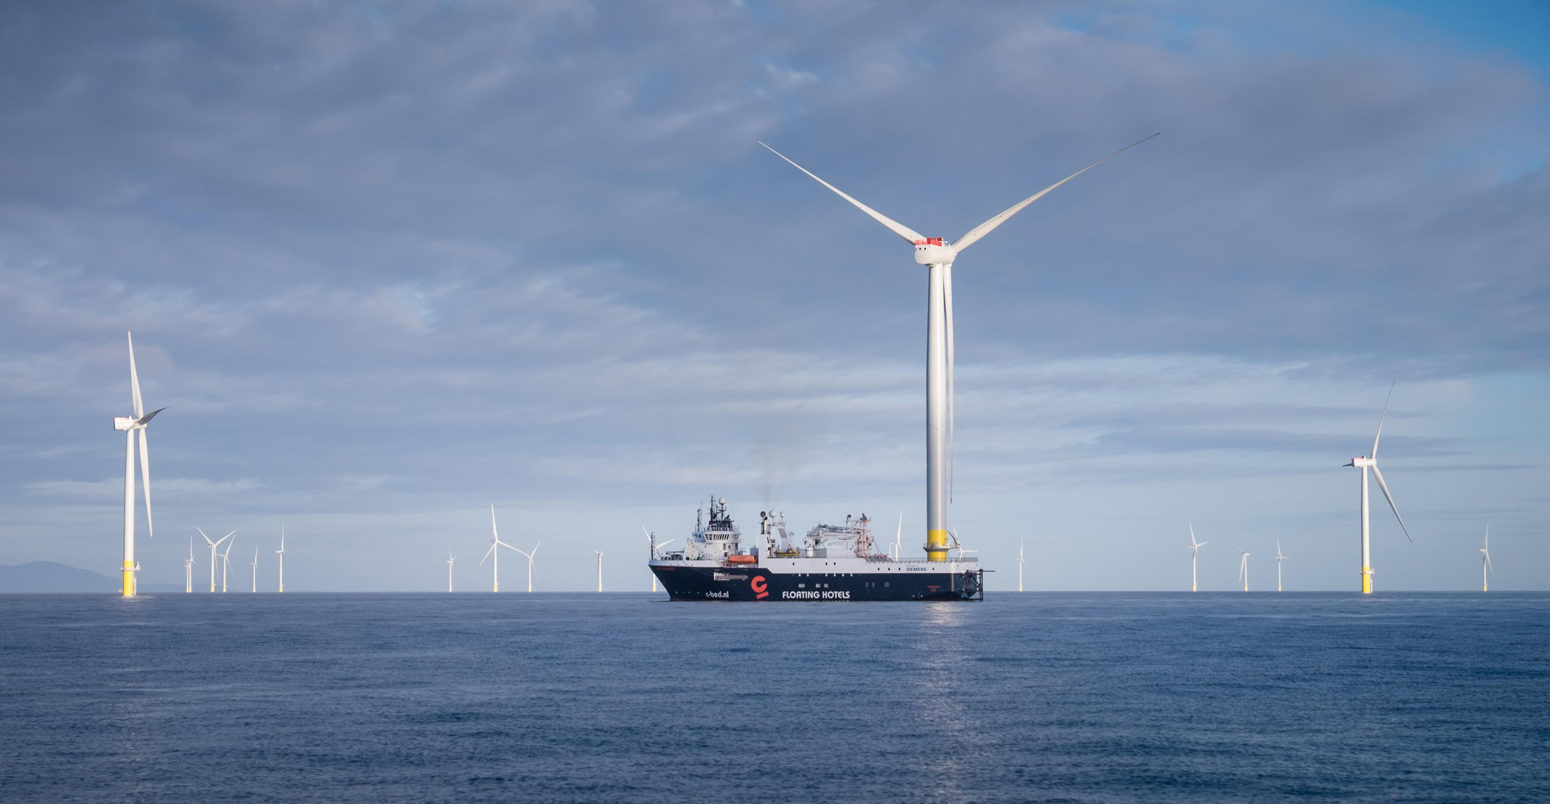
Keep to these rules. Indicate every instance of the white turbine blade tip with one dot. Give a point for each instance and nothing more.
(893, 225)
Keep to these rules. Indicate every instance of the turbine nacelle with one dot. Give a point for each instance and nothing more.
(1362, 462)
(124, 422)
(932, 251)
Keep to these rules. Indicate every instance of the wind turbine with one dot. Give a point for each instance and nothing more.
(226, 563)
(255, 570)
(131, 425)
(1243, 569)
(1485, 560)
(450, 558)
(599, 569)
(1279, 559)
(188, 568)
(1019, 565)
(1364, 464)
(495, 544)
(939, 255)
(213, 545)
(1194, 558)
(896, 549)
(530, 563)
(651, 539)
(281, 554)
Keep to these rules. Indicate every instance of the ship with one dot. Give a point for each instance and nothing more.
(829, 563)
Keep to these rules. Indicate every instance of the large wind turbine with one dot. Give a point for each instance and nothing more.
(281, 554)
(450, 559)
(1364, 464)
(1194, 558)
(214, 544)
(1485, 560)
(939, 255)
(1243, 569)
(188, 568)
(599, 569)
(1279, 559)
(495, 545)
(132, 425)
(226, 563)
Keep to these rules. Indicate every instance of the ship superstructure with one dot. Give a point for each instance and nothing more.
(829, 562)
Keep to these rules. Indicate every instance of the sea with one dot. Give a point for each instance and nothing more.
(626, 697)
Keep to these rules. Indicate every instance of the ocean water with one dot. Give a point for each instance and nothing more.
(629, 698)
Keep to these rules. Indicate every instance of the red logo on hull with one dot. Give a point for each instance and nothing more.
(760, 586)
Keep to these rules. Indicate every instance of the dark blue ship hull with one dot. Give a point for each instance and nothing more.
(755, 583)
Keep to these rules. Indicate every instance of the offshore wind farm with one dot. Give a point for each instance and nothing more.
(381, 270)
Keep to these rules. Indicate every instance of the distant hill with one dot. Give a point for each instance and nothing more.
(47, 576)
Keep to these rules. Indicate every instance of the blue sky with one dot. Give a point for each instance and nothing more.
(387, 265)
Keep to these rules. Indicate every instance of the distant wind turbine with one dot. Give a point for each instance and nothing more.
(1364, 463)
(132, 425)
(450, 558)
(1279, 559)
(599, 569)
(188, 568)
(1019, 565)
(214, 544)
(255, 570)
(1194, 558)
(1243, 569)
(1485, 560)
(651, 541)
(938, 256)
(226, 563)
(281, 554)
(494, 551)
(896, 549)
(529, 563)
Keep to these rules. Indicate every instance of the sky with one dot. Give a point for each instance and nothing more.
(389, 265)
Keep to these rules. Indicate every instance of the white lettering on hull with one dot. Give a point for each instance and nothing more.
(816, 594)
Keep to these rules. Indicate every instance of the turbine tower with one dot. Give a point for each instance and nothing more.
(214, 544)
(1243, 569)
(1019, 565)
(255, 570)
(450, 558)
(226, 563)
(1194, 558)
(188, 568)
(938, 256)
(1279, 559)
(1485, 560)
(281, 554)
(132, 425)
(599, 569)
(495, 545)
(1364, 464)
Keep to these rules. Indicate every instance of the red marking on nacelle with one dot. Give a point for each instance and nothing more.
(930, 241)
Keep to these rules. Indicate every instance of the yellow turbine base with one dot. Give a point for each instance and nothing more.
(1366, 580)
(1194, 588)
(129, 579)
(936, 545)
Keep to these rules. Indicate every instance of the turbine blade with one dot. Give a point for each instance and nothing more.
(1379, 475)
(894, 226)
(535, 546)
(145, 483)
(134, 378)
(1488, 564)
(487, 553)
(985, 228)
(207, 538)
(493, 531)
(1381, 418)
